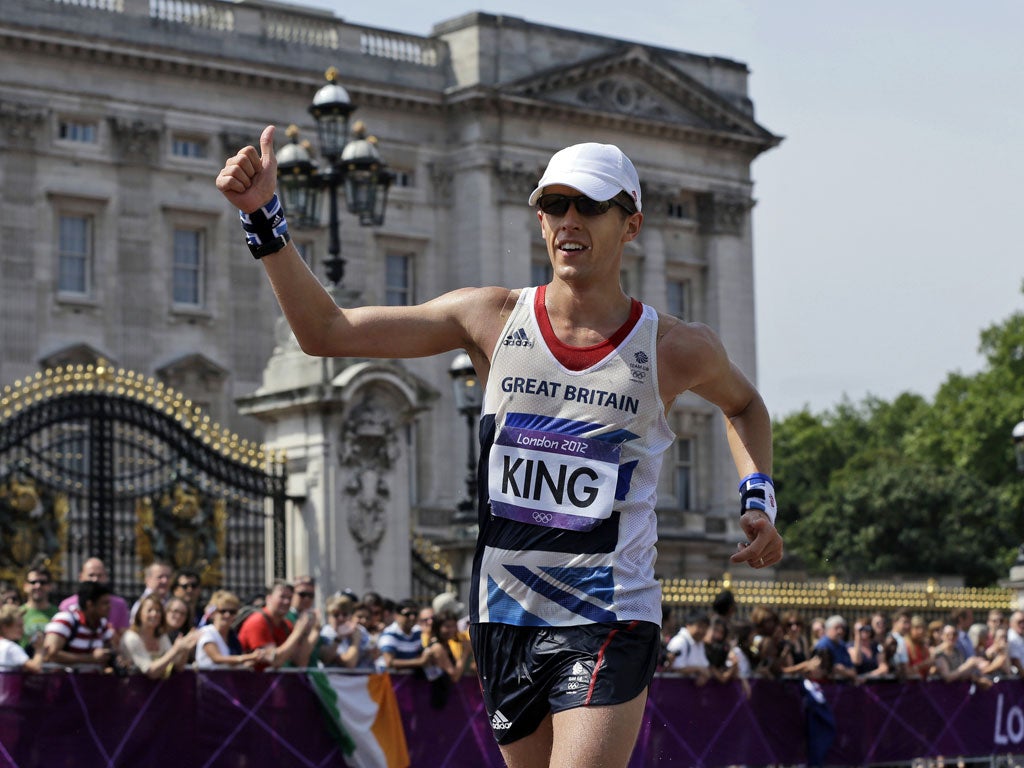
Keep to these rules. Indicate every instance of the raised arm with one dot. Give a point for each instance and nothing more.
(692, 357)
(467, 318)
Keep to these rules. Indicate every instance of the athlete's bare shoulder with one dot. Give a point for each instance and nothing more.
(688, 355)
(483, 313)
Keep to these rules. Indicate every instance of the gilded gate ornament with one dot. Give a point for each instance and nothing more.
(183, 528)
(33, 524)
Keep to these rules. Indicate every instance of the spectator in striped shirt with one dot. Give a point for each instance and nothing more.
(401, 643)
(82, 634)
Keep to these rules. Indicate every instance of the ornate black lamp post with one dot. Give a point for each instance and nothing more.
(354, 163)
(469, 397)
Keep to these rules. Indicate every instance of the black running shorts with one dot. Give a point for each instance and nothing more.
(527, 672)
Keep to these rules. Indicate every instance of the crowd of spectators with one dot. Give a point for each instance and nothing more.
(170, 626)
(717, 646)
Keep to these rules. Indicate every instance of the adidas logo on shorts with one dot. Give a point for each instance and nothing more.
(499, 722)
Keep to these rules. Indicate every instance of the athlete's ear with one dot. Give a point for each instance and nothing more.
(633, 225)
(543, 226)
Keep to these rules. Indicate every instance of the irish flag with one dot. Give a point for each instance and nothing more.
(363, 714)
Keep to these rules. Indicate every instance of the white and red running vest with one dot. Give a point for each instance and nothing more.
(568, 476)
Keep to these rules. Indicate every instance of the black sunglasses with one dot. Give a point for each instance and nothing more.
(227, 611)
(307, 595)
(35, 582)
(558, 205)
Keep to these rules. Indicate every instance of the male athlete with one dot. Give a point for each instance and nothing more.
(579, 378)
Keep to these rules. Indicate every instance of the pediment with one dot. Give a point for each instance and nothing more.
(638, 83)
(81, 353)
(193, 365)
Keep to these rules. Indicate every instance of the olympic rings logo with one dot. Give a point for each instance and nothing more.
(543, 517)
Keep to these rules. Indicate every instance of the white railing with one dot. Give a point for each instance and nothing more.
(302, 30)
(393, 45)
(298, 28)
(197, 13)
(116, 6)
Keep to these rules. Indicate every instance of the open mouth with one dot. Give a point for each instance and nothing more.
(572, 247)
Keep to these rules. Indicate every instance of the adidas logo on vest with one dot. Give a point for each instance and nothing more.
(518, 338)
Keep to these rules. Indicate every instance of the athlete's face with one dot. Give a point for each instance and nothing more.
(586, 246)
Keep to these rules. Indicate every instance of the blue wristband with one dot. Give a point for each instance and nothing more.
(266, 230)
(757, 491)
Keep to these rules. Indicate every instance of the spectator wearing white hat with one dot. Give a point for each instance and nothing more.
(447, 604)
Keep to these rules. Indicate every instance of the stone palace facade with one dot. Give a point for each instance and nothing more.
(115, 116)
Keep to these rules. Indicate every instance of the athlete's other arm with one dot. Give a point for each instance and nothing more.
(248, 181)
(692, 357)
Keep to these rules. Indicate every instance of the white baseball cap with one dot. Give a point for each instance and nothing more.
(448, 602)
(599, 171)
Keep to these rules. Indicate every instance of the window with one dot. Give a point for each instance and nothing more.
(398, 280)
(684, 473)
(403, 178)
(188, 147)
(74, 254)
(187, 277)
(681, 207)
(541, 272)
(679, 298)
(679, 210)
(82, 131)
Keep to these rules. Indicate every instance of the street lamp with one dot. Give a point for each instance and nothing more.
(354, 163)
(469, 397)
(1018, 445)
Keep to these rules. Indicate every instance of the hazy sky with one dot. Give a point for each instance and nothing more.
(886, 233)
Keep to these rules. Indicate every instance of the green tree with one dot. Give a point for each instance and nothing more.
(892, 515)
(909, 486)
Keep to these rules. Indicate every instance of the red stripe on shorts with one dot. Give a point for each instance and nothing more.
(600, 659)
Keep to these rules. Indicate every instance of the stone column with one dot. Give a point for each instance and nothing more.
(22, 128)
(345, 426)
(723, 220)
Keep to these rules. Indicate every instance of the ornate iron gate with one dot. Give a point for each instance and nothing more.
(97, 462)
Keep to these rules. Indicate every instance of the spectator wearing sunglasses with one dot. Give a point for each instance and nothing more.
(303, 598)
(37, 610)
(577, 378)
(304, 602)
(217, 645)
(401, 642)
(187, 587)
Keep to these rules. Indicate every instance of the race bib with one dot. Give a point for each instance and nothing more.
(552, 479)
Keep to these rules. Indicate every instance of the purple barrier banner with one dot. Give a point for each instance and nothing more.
(236, 719)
